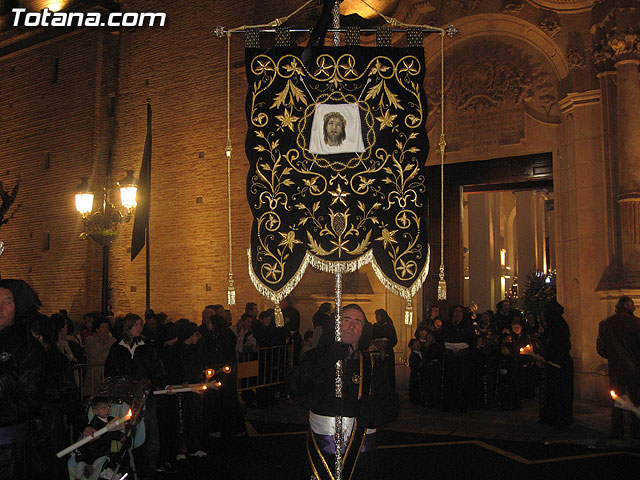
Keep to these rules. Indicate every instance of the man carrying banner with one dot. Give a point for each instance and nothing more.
(368, 400)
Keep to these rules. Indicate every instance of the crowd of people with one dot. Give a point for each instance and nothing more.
(494, 360)
(40, 388)
(459, 361)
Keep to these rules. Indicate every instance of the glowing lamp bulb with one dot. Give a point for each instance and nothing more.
(521, 350)
(226, 369)
(204, 387)
(210, 372)
(218, 384)
(84, 203)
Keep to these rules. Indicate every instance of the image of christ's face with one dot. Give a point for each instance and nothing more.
(334, 133)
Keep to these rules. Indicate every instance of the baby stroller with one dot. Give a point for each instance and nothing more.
(126, 396)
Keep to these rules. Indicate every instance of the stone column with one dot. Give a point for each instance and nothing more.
(481, 259)
(616, 56)
(628, 99)
(526, 233)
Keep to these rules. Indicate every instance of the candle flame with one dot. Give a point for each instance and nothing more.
(614, 395)
(218, 384)
(129, 414)
(226, 369)
(210, 372)
(204, 387)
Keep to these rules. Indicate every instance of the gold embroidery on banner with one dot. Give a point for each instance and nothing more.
(333, 268)
(387, 178)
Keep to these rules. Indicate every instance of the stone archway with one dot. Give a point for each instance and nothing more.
(503, 72)
(497, 25)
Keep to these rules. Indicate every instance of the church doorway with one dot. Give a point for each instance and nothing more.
(498, 227)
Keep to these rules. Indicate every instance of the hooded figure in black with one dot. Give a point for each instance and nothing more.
(21, 378)
(61, 399)
(223, 414)
(459, 336)
(368, 399)
(556, 405)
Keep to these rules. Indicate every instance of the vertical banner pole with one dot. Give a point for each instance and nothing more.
(338, 379)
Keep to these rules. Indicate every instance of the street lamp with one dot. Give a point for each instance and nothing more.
(101, 225)
(104, 221)
(84, 198)
(128, 189)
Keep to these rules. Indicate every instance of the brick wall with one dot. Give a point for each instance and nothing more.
(52, 132)
(181, 68)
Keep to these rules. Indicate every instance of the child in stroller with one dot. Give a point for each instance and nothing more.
(92, 457)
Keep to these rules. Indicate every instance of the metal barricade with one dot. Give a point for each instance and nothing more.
(264, 367)
(88, 376)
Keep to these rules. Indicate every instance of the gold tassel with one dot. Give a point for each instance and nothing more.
(408, 313)
(279, 316)
(442, 285)
(231, 291)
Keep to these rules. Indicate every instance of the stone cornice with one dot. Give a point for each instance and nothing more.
(564, 6)
(579, 99)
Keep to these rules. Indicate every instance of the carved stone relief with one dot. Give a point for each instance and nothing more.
(487, 92)
(467, 6)
(613, 42)
(512, 6)
(549, 25)
(576, 59)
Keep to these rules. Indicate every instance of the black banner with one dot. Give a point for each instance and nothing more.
(337, 172)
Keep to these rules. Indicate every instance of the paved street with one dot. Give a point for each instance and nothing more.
(427, 443)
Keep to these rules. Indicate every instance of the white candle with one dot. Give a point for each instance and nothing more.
(625, 403)
(97, 434)
(198, 387)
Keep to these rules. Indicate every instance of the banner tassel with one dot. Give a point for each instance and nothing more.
(279, 316)
(231, 291)
(442, 285)
(408, 313)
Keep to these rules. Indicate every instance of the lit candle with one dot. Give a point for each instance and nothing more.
(181, 389)
(625, 403)
(97, 434)
(526, 350)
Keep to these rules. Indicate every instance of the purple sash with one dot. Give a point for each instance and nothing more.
(327, 444)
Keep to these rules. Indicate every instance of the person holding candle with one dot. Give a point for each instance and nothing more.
(192, 367)
(133, 358)
(619, 342)
(92, 456)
